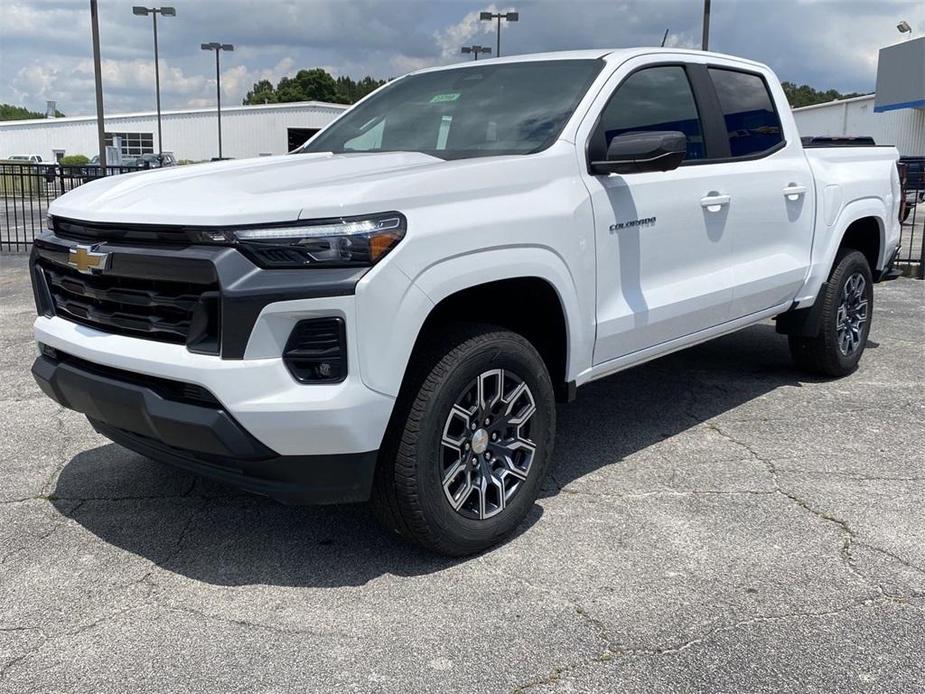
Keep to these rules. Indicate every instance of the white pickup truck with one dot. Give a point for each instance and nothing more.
(392, 311)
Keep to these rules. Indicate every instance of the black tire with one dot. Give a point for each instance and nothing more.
(823, 354)
(408, 493)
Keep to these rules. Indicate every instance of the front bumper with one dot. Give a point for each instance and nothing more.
(258, 310)
(167, 421)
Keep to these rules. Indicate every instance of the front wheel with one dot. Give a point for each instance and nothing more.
(471, 445)
(847, 309)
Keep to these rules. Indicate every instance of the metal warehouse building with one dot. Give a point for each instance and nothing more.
(904, 128)
(894, 115)
(247, 131)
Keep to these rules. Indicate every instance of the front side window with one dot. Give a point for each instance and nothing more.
(751, 121)
(651, 100)
(477, 111)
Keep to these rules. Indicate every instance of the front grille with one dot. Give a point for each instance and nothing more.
(121, 233)
(167, 311)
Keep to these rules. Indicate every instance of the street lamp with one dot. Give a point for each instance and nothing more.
(154, 11)
(705, 40)
(507, 16)
(218, 48)
(475, 50)
(904, 28)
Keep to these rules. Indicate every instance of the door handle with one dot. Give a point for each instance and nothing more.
(714, 203)
(793, 191)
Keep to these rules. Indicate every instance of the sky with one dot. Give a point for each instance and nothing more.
(45, 45)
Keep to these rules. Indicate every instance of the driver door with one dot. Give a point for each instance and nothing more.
(662, 247)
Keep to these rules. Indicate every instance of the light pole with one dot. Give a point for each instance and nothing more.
(507, 16)
(98, 81)
(705, 41)
(218, 48)
(154, 11)
(475, 50)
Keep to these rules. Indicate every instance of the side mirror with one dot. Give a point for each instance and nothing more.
(643, 151)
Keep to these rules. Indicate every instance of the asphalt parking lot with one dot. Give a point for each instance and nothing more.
(716, 522)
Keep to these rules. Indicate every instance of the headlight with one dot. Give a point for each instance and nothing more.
(325, 242)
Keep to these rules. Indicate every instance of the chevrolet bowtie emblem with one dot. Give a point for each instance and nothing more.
(86, 260)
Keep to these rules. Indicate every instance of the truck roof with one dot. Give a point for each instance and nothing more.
(610, 54)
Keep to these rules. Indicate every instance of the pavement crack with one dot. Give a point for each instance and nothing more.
(849, 535)
(891, 555)
(249, 624)
(760, 619)
(61, 439)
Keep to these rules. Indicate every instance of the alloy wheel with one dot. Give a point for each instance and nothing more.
(486, 446)
(852, 314)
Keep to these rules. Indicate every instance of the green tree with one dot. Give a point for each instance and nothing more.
(804, 95)
(312, 85)
(10, 112)
(349, 92)
(262, 93)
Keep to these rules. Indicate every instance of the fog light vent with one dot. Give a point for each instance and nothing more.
(316, 351)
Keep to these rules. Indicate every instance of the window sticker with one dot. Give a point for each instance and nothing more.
(444, 98)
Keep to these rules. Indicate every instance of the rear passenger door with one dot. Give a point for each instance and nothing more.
(770, 189)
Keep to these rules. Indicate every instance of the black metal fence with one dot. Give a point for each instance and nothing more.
(27, 189)
(911, 258)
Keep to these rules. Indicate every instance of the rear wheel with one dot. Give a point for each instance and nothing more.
(472, 444)
(847, 309)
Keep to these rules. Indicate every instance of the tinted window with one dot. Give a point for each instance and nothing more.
(513, 108)
(654, 99)
(751, 121)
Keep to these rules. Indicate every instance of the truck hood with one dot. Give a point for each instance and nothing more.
(266, 189)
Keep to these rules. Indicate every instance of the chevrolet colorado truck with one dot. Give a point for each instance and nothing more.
(391, 312)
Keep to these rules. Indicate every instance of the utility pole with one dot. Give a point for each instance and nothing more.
(98, 79)
(154, 11)
(218, 48)
(507, 16)
(705, 43)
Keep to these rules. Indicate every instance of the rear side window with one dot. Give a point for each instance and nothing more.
(751, 121)
(651, 100)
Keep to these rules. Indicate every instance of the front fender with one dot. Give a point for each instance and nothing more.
(392, 308)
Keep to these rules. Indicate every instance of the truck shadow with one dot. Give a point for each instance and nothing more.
(208, 532)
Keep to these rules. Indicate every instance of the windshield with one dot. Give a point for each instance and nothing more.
(477, 111)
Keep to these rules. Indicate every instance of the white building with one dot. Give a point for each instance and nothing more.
(894, 115)
(247, 131)
(904, 128)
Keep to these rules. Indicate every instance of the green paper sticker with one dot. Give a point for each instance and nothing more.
(444, 98)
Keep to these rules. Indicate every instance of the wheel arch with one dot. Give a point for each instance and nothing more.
(861, 225)
(527, 305)
(532, 284)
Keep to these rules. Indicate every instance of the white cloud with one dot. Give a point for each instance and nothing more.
(462, 33)
(46, 45)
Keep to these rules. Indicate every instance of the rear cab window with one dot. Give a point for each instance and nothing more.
(752, 124)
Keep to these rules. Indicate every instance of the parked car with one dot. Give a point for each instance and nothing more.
(27, 158)
(156, 161)
(392, 313)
